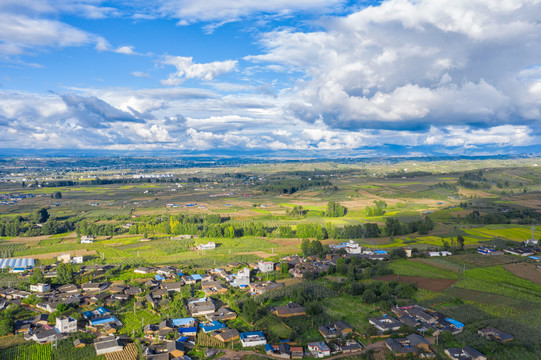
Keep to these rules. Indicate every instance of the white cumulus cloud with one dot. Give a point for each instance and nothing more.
(187, 69)
(408, 65)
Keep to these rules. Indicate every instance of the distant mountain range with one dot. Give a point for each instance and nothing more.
(386, 151)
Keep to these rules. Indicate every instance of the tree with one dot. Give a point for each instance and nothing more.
(286, 231)
(284, 268)
(250, 309)
(41, 215)
(6, 326)
(56, 195)
(393, 227)
(369, 296)
(62, 307)
(37, 276)
(334, 209)
(398, 253)
(305, 247)
(64, 274)
(460, 241)
(52, 317)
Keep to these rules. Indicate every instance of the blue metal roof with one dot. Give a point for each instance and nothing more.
(458, 324)
(251, 333)
(213, 326)
(159, 278)
(187, 330)
(102, 321)
(102, 311)
(183, 321)
(268, 347)
(197, 277)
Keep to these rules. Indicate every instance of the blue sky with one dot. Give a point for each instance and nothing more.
(279, 75)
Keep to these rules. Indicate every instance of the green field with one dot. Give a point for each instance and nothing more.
(499, 281)
(350, 309)
(136, 322)
(411, 268)
(28, 351)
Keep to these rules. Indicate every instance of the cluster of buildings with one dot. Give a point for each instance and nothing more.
(353, 248)
(526, 251)
(426, 320)
(68, 259)
(522, 251)
(13, 199)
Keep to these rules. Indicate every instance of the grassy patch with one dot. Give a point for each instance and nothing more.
(348, 308)
(411, 268)
(137, 321)
(499, 281)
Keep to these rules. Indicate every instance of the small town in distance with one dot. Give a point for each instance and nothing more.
(322, 260)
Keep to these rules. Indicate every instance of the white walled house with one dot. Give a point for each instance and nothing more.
(66, 324)
(208, 246)
(265, 266)
(40, 288)
(87, 239)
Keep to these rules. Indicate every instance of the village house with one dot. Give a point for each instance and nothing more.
(222, 314)
(44, 335)
(227, 335)
(337, 329)
(40, 288)
(412, 344)
(490, 332)
(261, 287)
(243, 278)
(253, 338)
(281, 351)
(133, 290)
(107, 344)
(94, 287)
(212, 326)
(466, 353)
(208, 246)
(291, 309)
(184, 322)
(68, 289)
(66, 324)
(41, 320)
(265, 266)
(319, 349)
(173, 286)
(188, 279)
(87, 239)
(143, 270)
(201, 307)
(297, 352)
(385, 323)
(350, 346)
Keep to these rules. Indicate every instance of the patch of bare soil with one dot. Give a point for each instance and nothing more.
(526, 271)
